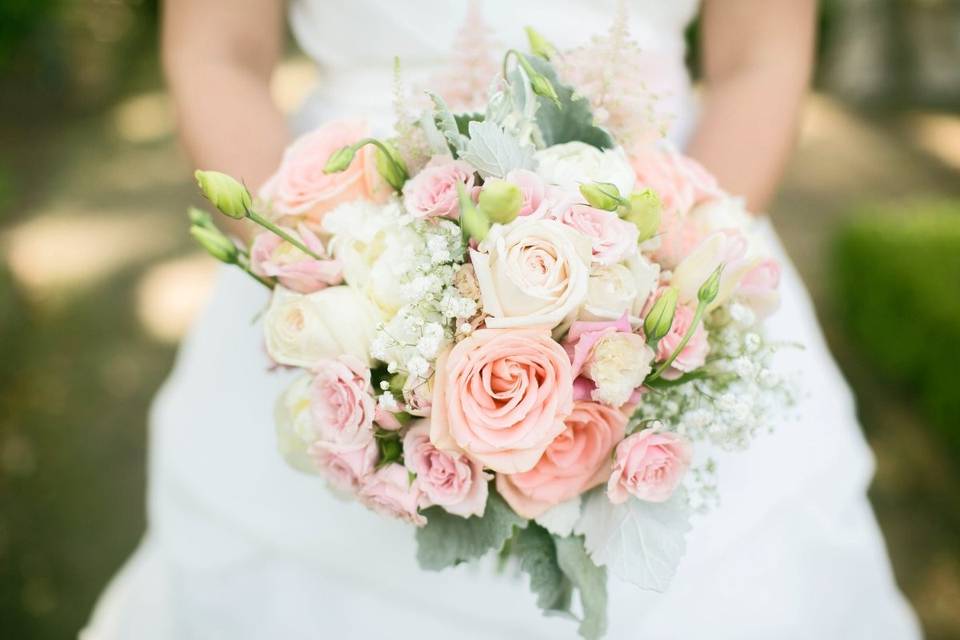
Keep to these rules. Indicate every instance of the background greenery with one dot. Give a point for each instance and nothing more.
(869, 211)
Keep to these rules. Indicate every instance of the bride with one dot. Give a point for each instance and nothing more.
(240, 546)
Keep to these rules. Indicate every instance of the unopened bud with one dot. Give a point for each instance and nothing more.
(540, 84)
(200, 218)
(390, 166)
(603, 195)
(340, 159)
(539, 45)
(644, 213)
(473, 222)
(711, 287)
(500, 200)
(226, 193)
(660, 318)
(216, 244)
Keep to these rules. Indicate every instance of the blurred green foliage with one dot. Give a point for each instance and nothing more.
(898, 277)
(20, 20)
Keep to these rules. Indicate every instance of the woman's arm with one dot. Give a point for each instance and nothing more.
(757, 57)
(218, 56)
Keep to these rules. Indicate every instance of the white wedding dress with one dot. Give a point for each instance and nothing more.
(240, 546)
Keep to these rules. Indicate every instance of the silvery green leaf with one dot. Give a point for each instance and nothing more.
(572, 119)
(493, 152)
(639, 542)
(447, 124)
(590, 580)
(538, 559)
(435, 139)
(561, 518)
(447, 540)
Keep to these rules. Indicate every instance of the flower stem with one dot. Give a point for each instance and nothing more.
(379, 145)
(270, 226)
(244, 264)
(694, 324)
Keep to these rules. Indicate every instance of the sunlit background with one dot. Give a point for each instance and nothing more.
(99, 280)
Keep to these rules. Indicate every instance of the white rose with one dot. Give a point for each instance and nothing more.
(646, 279)
(291, 420)
(573, 163)
(301, 330)
(728, 248)
(619, 364)
(610, 291)
(531, 273)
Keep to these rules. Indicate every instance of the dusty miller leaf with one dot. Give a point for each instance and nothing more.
(590, 580)
(447, 540)
(493, 152)
(572, 119)
(447, 124)
(538, 559)
(639, 542)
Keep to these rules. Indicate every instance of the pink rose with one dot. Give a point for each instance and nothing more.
(301, 188)
(612, 239)
(502, 396)
(693, 355)
(341, 403)
(532, 189)
(648, 465)
(345, 469)
(446, 478)
(391, 492)
(759, 288)
(272, 257)
(432, 193)
(577, 460)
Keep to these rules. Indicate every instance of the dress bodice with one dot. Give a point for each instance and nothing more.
(354, 44)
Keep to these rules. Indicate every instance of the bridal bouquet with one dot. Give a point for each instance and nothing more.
(514, 326)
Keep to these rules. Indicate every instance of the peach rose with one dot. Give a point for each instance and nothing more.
(501, 397)
(270, 256)
(447, 478)
(341, 403)
(301, 188)
(345, 469)
(648, 465)
(390, 492)
(432, 193)
(577, 460)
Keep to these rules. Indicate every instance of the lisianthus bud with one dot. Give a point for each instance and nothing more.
(644, 213)
(602, 195)
(340, 159)
(474, 222)
(660, 318)
(500, 200)
(711, 287)
(539, 45)
(216, 244)
(200, 218)
(390, 166)
(226, 193)
(538, 82)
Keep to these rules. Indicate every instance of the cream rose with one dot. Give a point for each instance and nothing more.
(531, 273)
(611, 291)
(573, 163)
(723, 248)
(301, 330)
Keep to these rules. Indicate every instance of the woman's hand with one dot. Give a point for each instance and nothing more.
(218, 56)
(757, 57)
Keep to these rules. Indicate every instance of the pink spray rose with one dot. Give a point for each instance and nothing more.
(345, 469)
(694, 354)
(577, 460)
(301, 188)
(501, 396)
(648, 465)
(613, 240)
(272, 257)
(341, 403)
(532, 189)
(391, 492)
(759, 287)
(446, 478)
(432, 193)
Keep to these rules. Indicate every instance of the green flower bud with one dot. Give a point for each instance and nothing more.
(340, 159)
(216, 244)
(473, 222)
(500, 200)
(200, 218)
(644, 213)
(391, 166)
(711, 287)
(539, 45)
(226, 193)
(658, 322)
(538, 82)
(603, 195)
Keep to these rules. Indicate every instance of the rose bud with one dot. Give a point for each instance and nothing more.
(226, 193)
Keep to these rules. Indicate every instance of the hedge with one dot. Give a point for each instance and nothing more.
(898, 293)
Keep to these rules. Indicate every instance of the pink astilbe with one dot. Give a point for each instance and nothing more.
(465, 82)
(610, 73)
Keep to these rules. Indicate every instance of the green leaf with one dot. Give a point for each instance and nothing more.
(590, 580)
(447, 124)
(463, 121)
(493, 152)
(538, 559)
(572, 119)
(447, 540)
